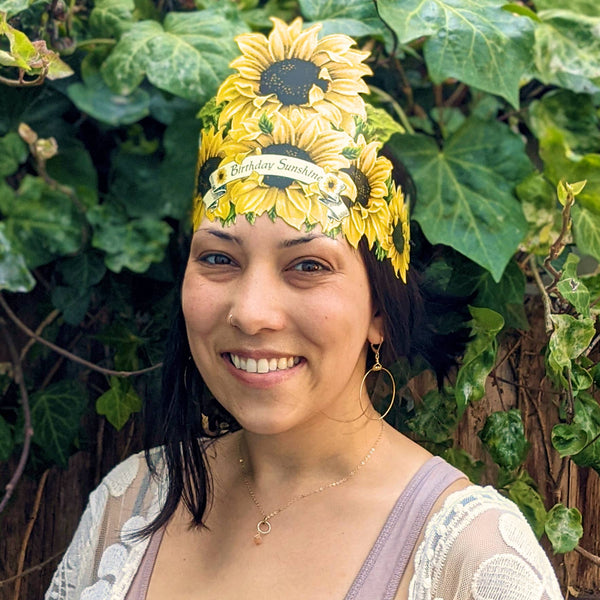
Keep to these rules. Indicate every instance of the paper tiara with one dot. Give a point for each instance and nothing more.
(291, 140)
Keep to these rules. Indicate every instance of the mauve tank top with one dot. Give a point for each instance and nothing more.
(380, 574)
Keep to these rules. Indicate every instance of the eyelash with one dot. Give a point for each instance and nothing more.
(216, 259)
(314, 263)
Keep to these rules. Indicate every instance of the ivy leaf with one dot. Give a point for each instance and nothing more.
(462, 460)
(570, 339)
(55, 416)
(188, 57)
(7, 443)
(13, 7)
(586, 227)
(72, 302)
(538, 200)
(566, 50)
(355, 18)
(480, 356)
(563, 528)
(134, 244)
(119, 402)
(465, 190)
(111, 18)
(504, 437)
(584, 7)
(13, 152)
(14, 275)
(125, 343)
(41, 223)
(568, 439)
(572, 288)
(435, 417)
(574, 115)
(471, 41)
(530, 503)
(96, 99)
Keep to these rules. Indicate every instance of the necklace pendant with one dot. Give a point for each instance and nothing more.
(263, 527)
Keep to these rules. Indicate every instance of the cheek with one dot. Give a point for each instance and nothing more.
(197, 305)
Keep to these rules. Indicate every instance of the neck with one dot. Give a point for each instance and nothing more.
(308, 456)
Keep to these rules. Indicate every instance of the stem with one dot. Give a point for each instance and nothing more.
(397, 108)
(68, 354)
(586, 554)
(558, 246)
(30, 524)
(544, 294)
(27, 428)
(96, 41)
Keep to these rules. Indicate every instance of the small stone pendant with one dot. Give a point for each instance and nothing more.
(258, 539)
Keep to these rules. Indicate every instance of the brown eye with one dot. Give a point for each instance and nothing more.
(309, 266)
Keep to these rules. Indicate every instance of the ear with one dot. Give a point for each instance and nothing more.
(375, 334)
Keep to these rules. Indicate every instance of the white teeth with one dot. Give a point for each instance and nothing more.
(263, 365)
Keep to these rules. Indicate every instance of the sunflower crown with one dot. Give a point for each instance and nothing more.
(288, 141)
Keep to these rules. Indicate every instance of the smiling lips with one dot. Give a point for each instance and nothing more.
(263, 365)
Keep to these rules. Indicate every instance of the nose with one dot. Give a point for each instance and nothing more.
(258, 302)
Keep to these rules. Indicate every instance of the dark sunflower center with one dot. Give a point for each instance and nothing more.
(363, 188)
(284, 150)
(205, 171)
(398, 237)
(290, 80)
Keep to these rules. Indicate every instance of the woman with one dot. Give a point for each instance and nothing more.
(274, 476)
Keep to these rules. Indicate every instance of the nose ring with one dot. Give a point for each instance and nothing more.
(230, 320)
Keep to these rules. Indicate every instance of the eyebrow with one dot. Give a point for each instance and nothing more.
(284, 244)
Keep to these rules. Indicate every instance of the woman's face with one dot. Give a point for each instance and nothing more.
(302, 316)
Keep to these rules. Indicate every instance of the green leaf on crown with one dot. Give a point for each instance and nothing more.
(465, 190)
(265, 124)
(188, 55)
(472, 41)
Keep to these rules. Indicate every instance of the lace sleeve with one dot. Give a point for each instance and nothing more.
(101, 559)
(480, 547)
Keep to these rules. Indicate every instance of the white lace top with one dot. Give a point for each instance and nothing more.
(477, 547)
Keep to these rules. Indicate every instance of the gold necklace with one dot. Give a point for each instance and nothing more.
(263, 527)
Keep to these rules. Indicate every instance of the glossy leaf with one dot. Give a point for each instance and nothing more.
(466, 188)
(479, 358)
(435, 417)
(188, 55)
(356, 18)
(472, 41)
(119, 402)
(586, 227)
(574, 115)
(14, 275)
(570, 339)
(585, 7)
(7, 443)
(111, 18)
(568, 439)
(73, 302)
(132, 244)
(41, 223)
(572, 288)
(563, 528)
(13, 7)
(530, 503)
(55, 415)
(504, 437)
(566, 50)
(96, 99)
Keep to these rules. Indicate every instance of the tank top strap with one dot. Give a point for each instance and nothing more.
(380, 574)
(141, 581)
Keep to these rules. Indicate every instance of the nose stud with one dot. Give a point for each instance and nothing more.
(230, 320)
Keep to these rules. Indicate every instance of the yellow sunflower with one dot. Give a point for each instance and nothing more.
(211, 153)
(369, 214)
(293, 68)
(397, 242)
(298, 137)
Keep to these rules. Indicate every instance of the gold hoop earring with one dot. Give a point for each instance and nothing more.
(375, 369)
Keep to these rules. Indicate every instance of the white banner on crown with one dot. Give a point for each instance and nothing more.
(280, 166)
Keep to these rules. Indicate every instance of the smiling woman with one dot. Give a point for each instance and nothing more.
(268, 472)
